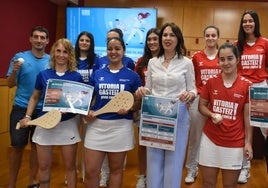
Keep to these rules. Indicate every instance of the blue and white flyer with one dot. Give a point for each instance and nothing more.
(258, 105)
(68, 96)
(158, 122)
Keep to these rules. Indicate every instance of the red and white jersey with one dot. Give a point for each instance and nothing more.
(229, 102)
(254, 61)
(142, 74)
(204, 68)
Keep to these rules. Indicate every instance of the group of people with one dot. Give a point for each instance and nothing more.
(248, 60)
(212, 90)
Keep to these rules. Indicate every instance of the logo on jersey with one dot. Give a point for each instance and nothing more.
(103, 66)
(237, 95)
(259, 49)
(253, 61)
(215, 92)
(124, 80)
(108, 90)
(227, 109)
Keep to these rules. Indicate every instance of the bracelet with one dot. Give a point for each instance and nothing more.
(27, 116)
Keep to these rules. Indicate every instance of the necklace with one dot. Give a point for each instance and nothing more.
(167, 60)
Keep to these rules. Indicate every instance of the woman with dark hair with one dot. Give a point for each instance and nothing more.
(227, 134)
(104, 61)
(151, 50)
(249, 29)
(110, 134)
(116, 30)
(170, 75)
(253, 49)
(85, 55)
(87, 60)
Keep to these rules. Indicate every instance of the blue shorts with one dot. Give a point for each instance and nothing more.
(19, 138)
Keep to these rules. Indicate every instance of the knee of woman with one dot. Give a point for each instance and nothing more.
(116, 171)
(91, 176)
(90, 172)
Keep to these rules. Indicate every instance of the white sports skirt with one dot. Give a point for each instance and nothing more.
(65, 133)
(110, 135)
(212, 155)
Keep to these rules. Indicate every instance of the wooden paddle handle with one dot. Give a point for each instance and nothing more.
(100, 111)
(18, 126)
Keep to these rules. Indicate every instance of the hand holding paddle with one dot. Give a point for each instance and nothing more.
(47, 121)
(122, 100)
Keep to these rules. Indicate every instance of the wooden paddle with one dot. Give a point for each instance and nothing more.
(123, 99)
(47, 121)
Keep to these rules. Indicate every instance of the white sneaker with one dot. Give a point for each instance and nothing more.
(141, 181)
(104, 179)
(191, 175)
(244, 175)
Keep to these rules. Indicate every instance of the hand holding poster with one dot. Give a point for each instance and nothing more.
(68, 96)
(258, 106)
(158, 122)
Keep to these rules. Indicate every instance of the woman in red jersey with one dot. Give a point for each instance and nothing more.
(227, 135)
(253, 49)
(253, 64)
(205, 65)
